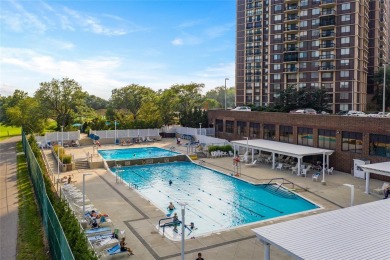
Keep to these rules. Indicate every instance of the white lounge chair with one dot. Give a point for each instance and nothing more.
(330, 171)
(280, 166)
(231, 154)
(148, 139)
(254, 163)
(381, 190)
(316, 176)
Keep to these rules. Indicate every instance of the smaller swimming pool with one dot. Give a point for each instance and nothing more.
(135, 153)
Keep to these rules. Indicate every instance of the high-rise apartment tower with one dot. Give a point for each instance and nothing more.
(334, 44)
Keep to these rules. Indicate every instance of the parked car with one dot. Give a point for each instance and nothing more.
(355, 113)
(342, 113)
(242, 108)
(308, 111)
(379, 114)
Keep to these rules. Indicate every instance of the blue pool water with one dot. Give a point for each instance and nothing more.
(215, 201)
(135, 153)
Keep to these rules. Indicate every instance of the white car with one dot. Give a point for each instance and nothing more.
(355, 113)
(244, 108)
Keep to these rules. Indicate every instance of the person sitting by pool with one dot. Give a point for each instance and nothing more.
(178, 141)
(386, 191)
(123, 246)
(171, 206)
(123, 142)
(98, 143)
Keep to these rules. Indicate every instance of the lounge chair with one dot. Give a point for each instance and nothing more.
(96, 231)
(381, 190)
(280, 166)
(254, 163)
(330, 171)
(148, 139)
(231, 154)
(294, 169)
(316, 176)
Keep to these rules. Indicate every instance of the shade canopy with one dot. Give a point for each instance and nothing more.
(282, 148)
(358, 232)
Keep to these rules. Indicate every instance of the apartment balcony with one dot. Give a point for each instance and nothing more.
(326, 68)
(328, 12)
(327, 57)
(291, 38)
(327, 21)
(291, 18)
(327, 3)
(327, 34)
(290, 57)
(290, 69)
(327, 45)
(291, 1)
(291, 7)
(290, 48)
(290, 28)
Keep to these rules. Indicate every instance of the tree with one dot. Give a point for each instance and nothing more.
(26, 114)
(167, 103)
(95, 102)
(60, 99)
(218, 94)
(130, 98)
(189, 96)
(10, 101)
(378, 81)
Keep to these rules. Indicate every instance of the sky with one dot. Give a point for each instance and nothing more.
(108, 44)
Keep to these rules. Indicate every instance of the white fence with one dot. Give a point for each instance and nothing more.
(128, 133)
(211, 140)
(58, 137)
(195, 131)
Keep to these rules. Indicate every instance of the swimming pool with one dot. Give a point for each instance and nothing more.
(215, 201)
(135, 153)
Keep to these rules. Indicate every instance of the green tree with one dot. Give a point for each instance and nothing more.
(130, 98)
(167, 103)
(95, 102)
(60, 99)
(26, 114)
(218, 94)
(189, 97)
(10, 101)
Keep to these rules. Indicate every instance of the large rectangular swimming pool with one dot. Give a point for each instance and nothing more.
(215, 201)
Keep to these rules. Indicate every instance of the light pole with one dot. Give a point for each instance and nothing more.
(200, 128)
(352, 192)
(85, 174)
(115, 132)
(58, 165)
(183, 211)
(225, 91)
(384, 89)
(62, 136)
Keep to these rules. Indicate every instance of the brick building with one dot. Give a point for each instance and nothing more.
(350, 137)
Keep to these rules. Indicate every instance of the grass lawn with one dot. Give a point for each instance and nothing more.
(8, 131)
(30, 243)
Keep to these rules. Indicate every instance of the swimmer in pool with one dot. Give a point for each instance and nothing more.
(171, 206)
(170, 182)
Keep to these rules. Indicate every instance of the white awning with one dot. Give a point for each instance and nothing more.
(377, 168)
(358, 232)
(282, 148)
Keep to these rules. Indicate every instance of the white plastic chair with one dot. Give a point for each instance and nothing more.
(381, 190)
(280, 166)
(316, 176)
(330, 171)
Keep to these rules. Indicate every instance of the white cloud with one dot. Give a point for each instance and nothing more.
(217, 31)
(177, 41)
(188, 24)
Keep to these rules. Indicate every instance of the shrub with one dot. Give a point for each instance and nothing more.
(223, 148)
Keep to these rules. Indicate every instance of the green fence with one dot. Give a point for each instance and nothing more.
(59, 247)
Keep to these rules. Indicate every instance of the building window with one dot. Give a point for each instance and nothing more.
(315, 22)
(278, 27)
(345, 17)
(276, 66)
(303, 54)
(346, 6)
(380, 145)
(277, 37)
(219, 125)
(344, 107)
(277, 76)
(278, 17)
(305, 136)
(303, 13)
(345, 40)
(315, 43)
(303, 65)
(344, 62)
(345, 51)
(277, 8)
(314, 75)
(315, 11)
(254, 130)
(344, 73)
(229, 126)
(344, 84)
(352, 142)
(327, 139)
(277, 56)
(303, 24)
(345, 29)
(241, 128)
(304, 3)
(344, 95)
(286, 134)
(269, 132)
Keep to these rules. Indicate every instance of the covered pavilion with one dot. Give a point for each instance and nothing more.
(377, 168)
(358, 232)
(293, 150)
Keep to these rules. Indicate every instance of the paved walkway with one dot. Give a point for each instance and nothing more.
(9, 199)
(139, 217)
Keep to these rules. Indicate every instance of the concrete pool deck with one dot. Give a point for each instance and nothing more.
(138, 218)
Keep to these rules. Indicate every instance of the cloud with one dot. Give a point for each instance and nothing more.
(177, 41)
(217, 31)
(188, 24)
